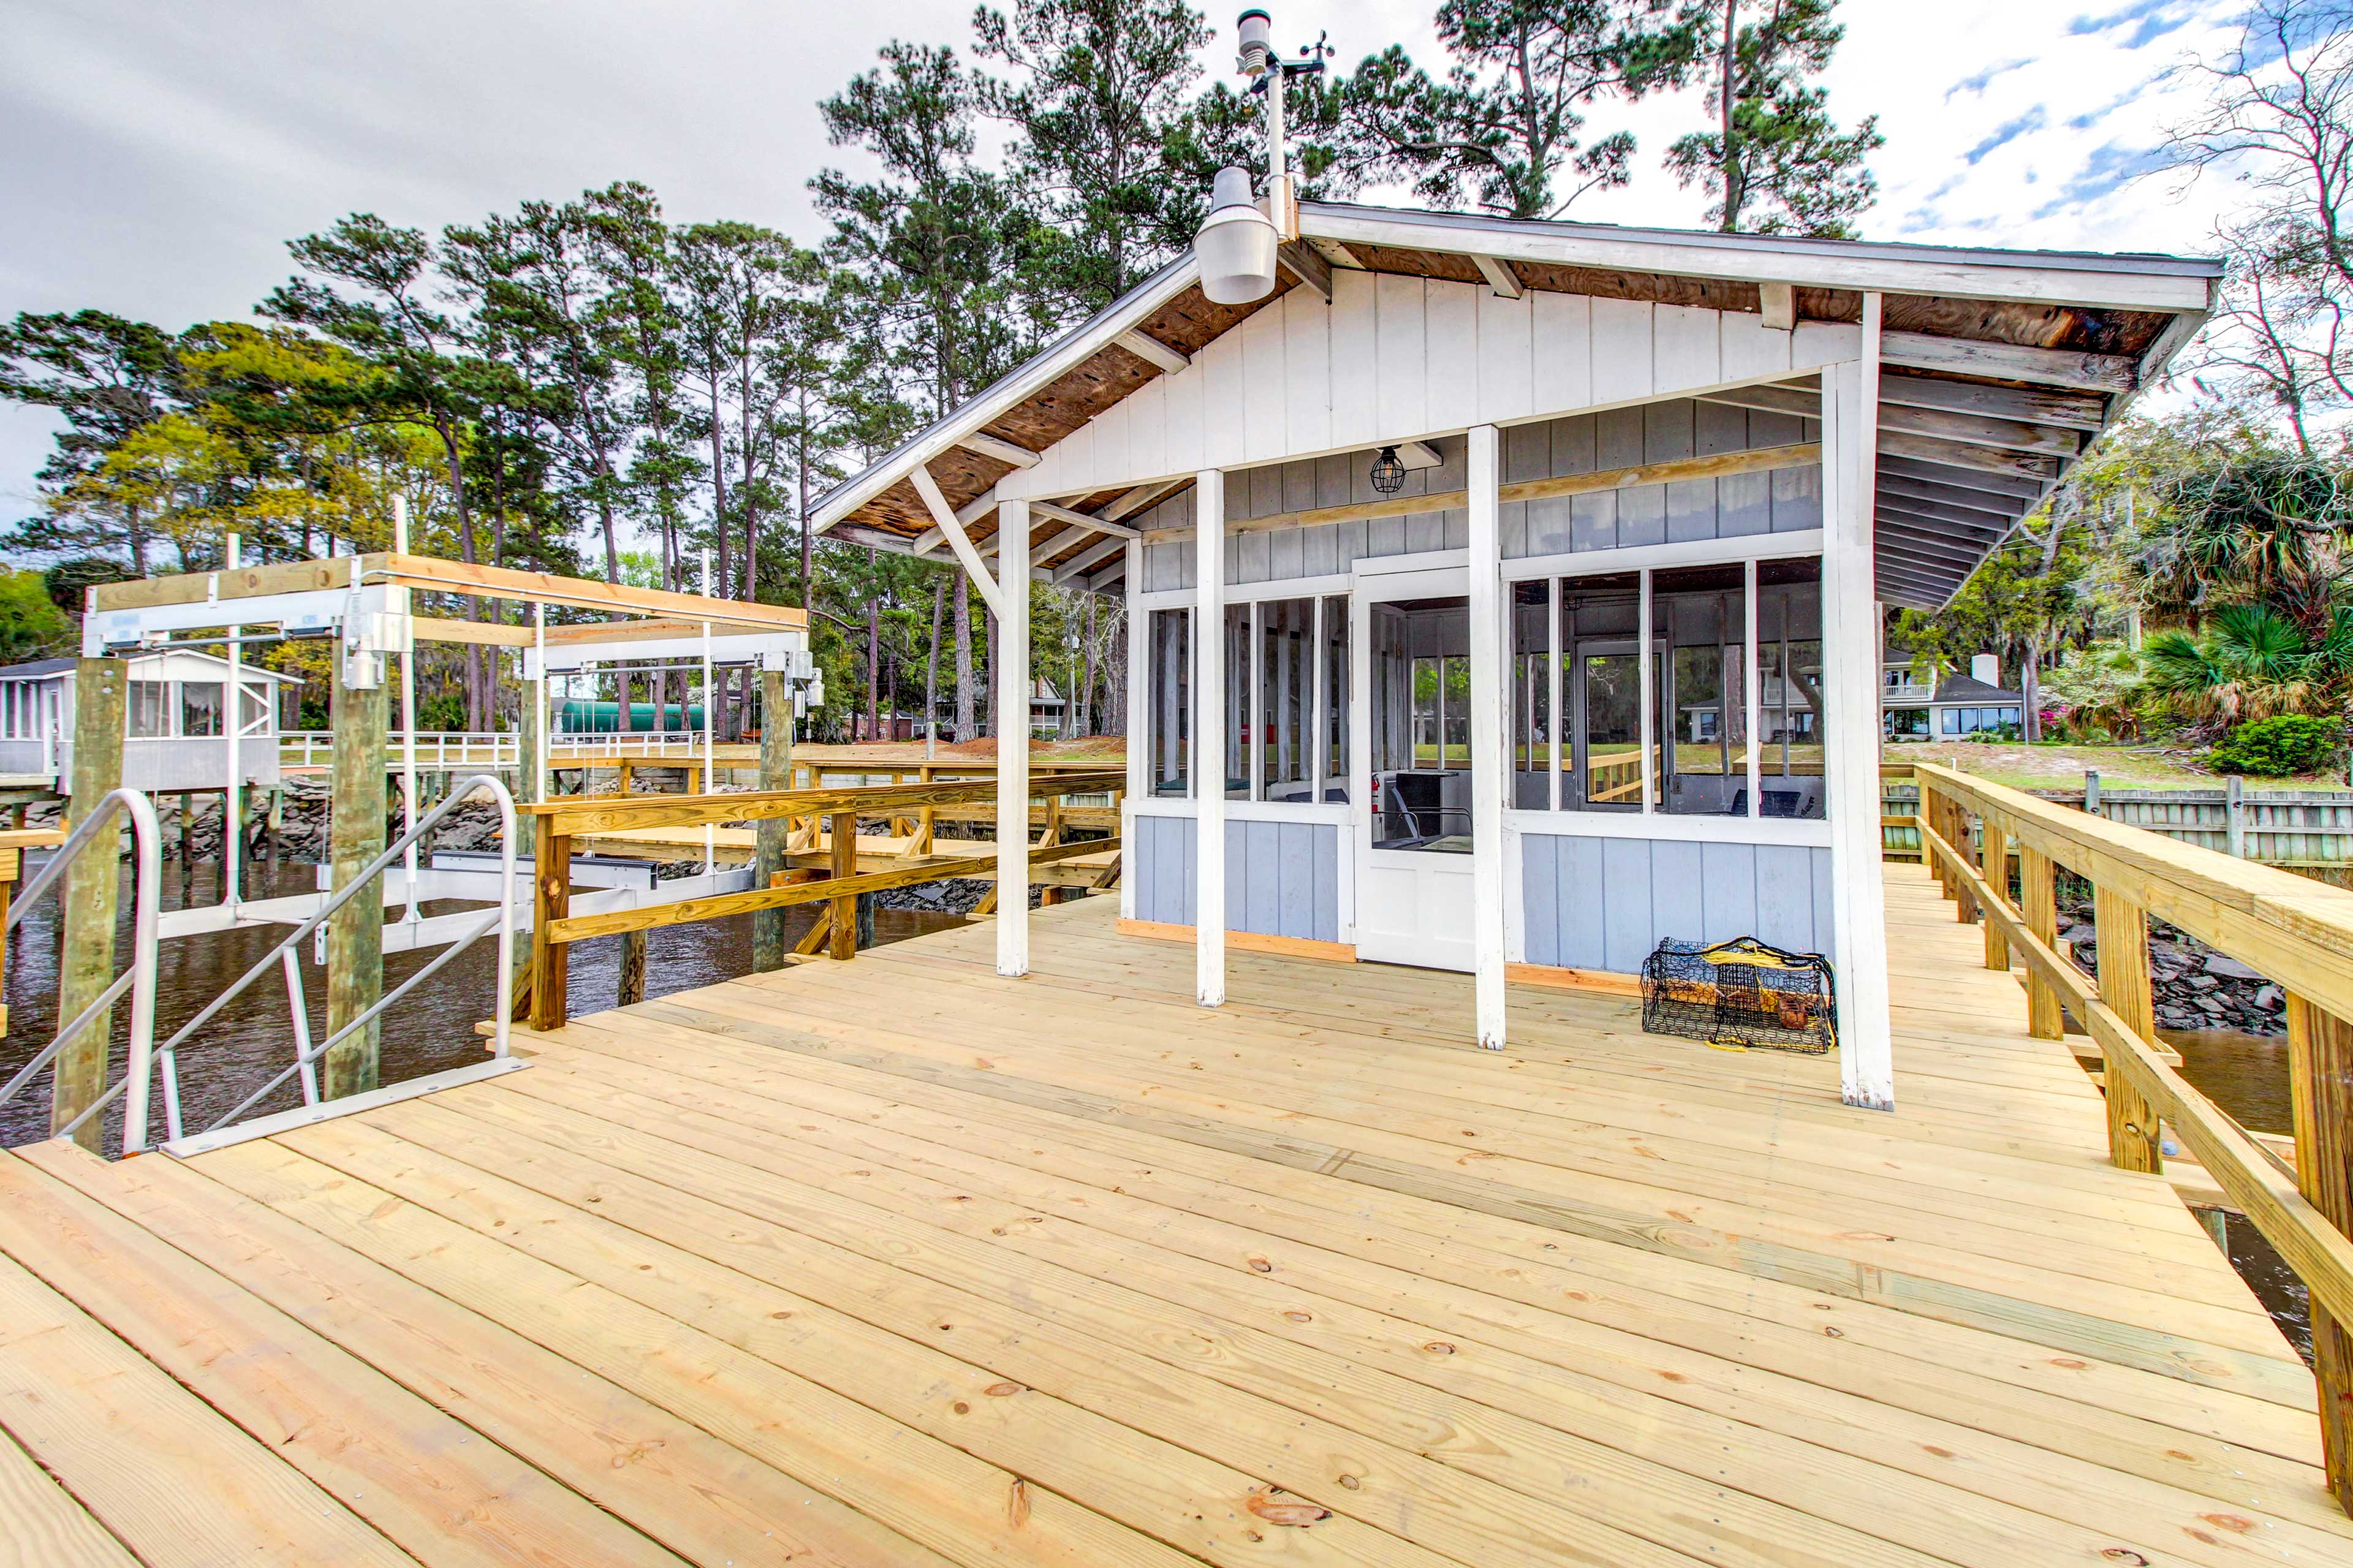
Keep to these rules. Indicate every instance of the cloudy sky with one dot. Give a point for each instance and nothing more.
(158, 154)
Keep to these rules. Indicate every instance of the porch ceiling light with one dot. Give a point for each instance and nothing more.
(1388, 472)
(1236, 245)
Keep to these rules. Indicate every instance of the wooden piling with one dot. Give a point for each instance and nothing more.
(771, 836)
(2123, 926)
(355, 828)
(92, 894)
(2321, 1075)
(632, 988)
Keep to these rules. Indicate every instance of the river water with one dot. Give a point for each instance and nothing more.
(249, 1042)
(2247, 1075)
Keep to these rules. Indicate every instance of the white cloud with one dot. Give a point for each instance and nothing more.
(160, 155)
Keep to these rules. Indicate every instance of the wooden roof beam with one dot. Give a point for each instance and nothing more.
(1147, 347)
(1982, 523)
(1975, 430)
(1500, 277)
(1093, 521)
(1087, 560)
(1956, 454)
(2033, 406)
(1301, 260)
(1778, 302)
(2008, 509)
(2010, 362)
(945, 518)
(997, 447)
(2025, 491)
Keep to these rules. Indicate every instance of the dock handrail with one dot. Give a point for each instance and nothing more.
(102, 826)
(2295, 930)
(501, 919)
(558, 821)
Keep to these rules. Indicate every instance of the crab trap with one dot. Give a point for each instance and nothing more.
(1740, 994)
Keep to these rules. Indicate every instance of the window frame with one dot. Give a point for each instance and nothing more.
(1323, 590)
(1747, 552)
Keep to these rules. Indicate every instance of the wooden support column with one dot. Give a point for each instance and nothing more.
(2133, 1139)
(844, 925)
(551, 962)
(2037, 902)
(632, 988)
(1012, 739)
(355, 828)
(2321, 1077)
(1851, 627)
(92, 894)
(1209, 763)
(1993, 860)
(1491, 767)
(770, 836)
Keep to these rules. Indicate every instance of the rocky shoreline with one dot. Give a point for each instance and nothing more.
(2194, 986)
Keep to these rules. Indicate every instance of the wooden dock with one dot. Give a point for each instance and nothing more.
(897, 1262)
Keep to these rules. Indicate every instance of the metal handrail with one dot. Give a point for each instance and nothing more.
(139, 979)
(501, 918)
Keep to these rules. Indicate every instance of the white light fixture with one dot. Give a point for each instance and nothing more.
(1236, 245)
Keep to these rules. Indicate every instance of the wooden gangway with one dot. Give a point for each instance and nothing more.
(896, 1261)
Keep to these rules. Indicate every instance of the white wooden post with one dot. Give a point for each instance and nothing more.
(1490, 763)
(1850, 710)
(1209, 739)
(1140, 731)
(1013, 740)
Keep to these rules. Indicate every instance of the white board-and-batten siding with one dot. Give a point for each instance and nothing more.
(1605, 903)
(1283, 878)
(1393, 358)
(1783, 501)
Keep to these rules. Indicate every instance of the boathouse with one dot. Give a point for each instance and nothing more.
(1506, 597)
(175, 728)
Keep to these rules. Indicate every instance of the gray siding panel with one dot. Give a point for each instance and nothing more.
(1605, 903)
(1778, 502)
(1283, 878)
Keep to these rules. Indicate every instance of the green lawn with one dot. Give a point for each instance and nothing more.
(2064, 767)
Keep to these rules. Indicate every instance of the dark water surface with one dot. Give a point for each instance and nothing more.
(2247, 1075)
(250, 1041)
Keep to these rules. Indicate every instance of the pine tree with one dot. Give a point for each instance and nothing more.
(1775, 161)
(1504, 130)
(107, 378)
(1096, 101)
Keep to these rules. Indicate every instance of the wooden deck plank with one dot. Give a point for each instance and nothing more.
(434, 1486)
(164, 1473)
(1889, 1353)
(899, 1261)
(2238, 1347)
(1396, 1489)
(45, 1528)
(1856, 1418)
(702, 1499)
(1220, 1294)
(917, 1486)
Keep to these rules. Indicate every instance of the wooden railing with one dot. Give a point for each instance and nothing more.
(556, 823)
(2298, 932)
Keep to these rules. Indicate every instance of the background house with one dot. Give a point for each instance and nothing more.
(1917, 705)
(175, 731)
